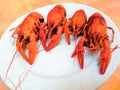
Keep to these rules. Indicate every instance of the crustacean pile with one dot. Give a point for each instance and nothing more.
(93, 34)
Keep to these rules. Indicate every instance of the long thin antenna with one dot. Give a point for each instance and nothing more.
(10, 65)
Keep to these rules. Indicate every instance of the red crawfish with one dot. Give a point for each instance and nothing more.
(27, 35)
(95, 38)
(50, 33)
(75, 25)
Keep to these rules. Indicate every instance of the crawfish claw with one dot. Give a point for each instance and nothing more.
(55, 39)
(80, 56)
(43, 35)
(32, 51)
(19, 47)
(79, 51)
(104, 60)
(31, 45)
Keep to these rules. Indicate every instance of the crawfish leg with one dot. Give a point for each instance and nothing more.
(55, 39)
(79, 51)
(15, 32)
(43, 35)
(112, 32)
(67, 31)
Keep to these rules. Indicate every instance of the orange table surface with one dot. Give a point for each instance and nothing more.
(10, 10)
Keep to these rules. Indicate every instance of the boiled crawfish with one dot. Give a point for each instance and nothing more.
(75, 25)
(95, 38)
(50, 33)
(27, 35)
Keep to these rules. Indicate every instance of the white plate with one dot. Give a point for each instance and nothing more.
(55, 70)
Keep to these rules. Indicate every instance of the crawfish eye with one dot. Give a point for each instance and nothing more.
(61, 24)
(54, 31)
(41, 20)
(70, 28)
(65, 14)
(27, 40)
(21, 38)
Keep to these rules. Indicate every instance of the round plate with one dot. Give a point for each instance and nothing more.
(55, 70)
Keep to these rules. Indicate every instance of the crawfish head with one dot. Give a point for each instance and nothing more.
(97, 29)
(55, 18)
(61, 10)
(28, 34)
(79, 20)
(75, 25)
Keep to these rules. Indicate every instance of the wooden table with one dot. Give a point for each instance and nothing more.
(10, 10)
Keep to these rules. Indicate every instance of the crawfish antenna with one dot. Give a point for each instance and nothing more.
(10, 65)
(112, 32)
